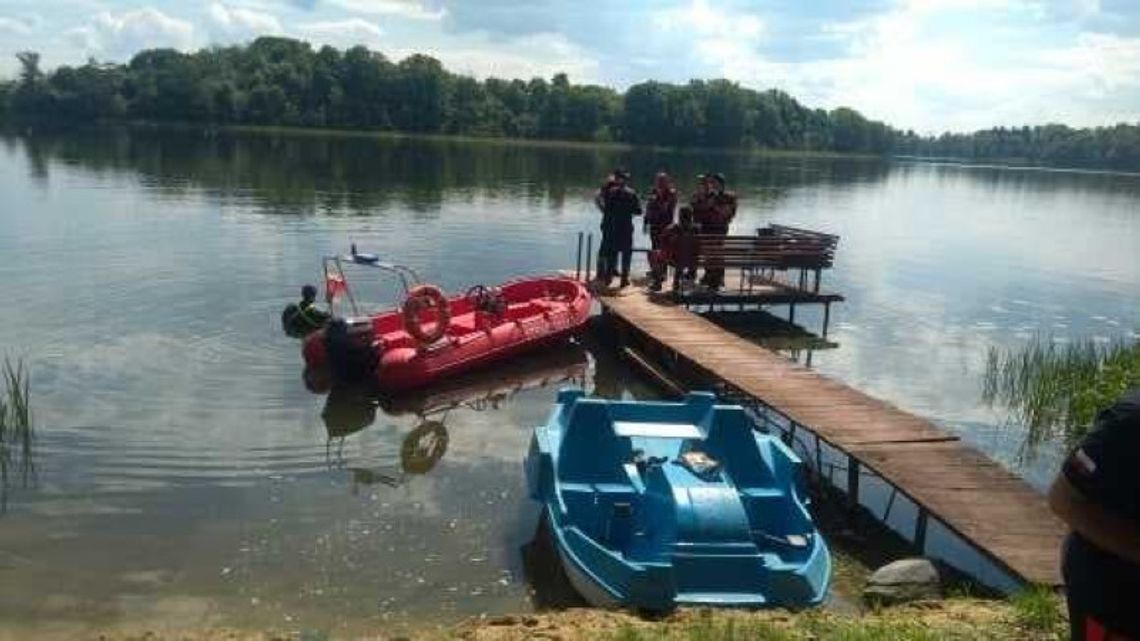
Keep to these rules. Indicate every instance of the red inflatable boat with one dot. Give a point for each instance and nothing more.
(432, 336)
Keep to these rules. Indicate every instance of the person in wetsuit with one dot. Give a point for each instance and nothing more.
(305, 316)
(619, 205)
(659, 206)
(1098, 495)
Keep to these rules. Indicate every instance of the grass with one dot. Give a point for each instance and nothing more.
(1035, 615)
(1038, 609)
(1056, 390)
(17, 431)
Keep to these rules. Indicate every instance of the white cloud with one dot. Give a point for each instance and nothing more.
(936, 64)
(238, 23)
(14, 26)
(122, 35)
(1107, 62)
(539, 55)
(343, 33)
(407, 9)
(717, 36)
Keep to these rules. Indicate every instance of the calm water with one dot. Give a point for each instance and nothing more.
(184, 475)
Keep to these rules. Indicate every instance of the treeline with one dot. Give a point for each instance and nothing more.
(280, 81)
(1116, 147)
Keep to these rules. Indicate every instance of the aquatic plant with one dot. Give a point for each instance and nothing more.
(16, 426)
(1056, 389)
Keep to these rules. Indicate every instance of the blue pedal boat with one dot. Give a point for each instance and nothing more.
(657, 505)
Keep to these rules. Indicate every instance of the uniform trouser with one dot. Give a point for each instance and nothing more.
(657, 262)
(612, 245)
(714, 266)
(1101, 594)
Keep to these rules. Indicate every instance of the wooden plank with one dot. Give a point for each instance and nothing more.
(972, 495)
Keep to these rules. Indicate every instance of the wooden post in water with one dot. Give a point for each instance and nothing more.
(920, 523)
(578, 263)
(852, 482)
(589, 255)
(818, 457)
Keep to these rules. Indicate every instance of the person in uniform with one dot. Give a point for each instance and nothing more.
(1098, 495)
(681, 246)
(659, 206)
(718, 208)
(619, 205)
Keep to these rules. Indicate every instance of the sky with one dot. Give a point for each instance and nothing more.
(930, 65)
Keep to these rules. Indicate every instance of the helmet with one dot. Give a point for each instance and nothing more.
(308, 292)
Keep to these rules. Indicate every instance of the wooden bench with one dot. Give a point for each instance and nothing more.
(776, 248)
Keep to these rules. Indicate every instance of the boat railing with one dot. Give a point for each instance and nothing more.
(334, 271)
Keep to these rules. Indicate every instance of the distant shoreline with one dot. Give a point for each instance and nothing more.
(505, 141)
(1015, 164)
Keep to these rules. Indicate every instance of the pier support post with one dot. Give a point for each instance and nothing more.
(852, 482)
(920, 523)
(826, 317)
(791, 313)
(790, 435)
(589, 255)
(818, 457)
(578, 262)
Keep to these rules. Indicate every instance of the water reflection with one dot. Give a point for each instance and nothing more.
(350, 409)
(299, 173)
(550, 588)
(778, 334)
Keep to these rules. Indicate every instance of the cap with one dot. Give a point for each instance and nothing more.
(719, 177)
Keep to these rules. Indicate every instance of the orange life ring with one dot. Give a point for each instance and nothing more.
(421, 298)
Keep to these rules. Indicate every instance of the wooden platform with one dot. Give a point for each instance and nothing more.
(741, 287)
(993, 510)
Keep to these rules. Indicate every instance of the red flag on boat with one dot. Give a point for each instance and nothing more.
(334, 285)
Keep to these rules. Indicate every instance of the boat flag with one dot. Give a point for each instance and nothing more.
(334, 285)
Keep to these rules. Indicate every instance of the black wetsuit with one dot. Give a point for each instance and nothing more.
(1103, 589)
(300, 319)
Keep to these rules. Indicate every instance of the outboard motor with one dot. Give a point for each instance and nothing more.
(348, 347)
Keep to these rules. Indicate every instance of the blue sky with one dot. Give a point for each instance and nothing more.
(932, 65)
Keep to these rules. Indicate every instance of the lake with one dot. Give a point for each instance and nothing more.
(184, 476)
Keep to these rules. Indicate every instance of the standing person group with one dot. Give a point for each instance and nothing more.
(710, 212)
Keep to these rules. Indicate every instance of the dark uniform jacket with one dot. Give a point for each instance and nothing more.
(619, 207)
(714, 211)
(1105, 469)
(659, 209)
(680, 244)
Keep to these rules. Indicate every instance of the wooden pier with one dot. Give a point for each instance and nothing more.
(992, 511)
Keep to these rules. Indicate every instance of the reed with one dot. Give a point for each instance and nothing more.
(1056, 390)
(17, 432)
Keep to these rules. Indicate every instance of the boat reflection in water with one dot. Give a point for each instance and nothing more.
(351, 409)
